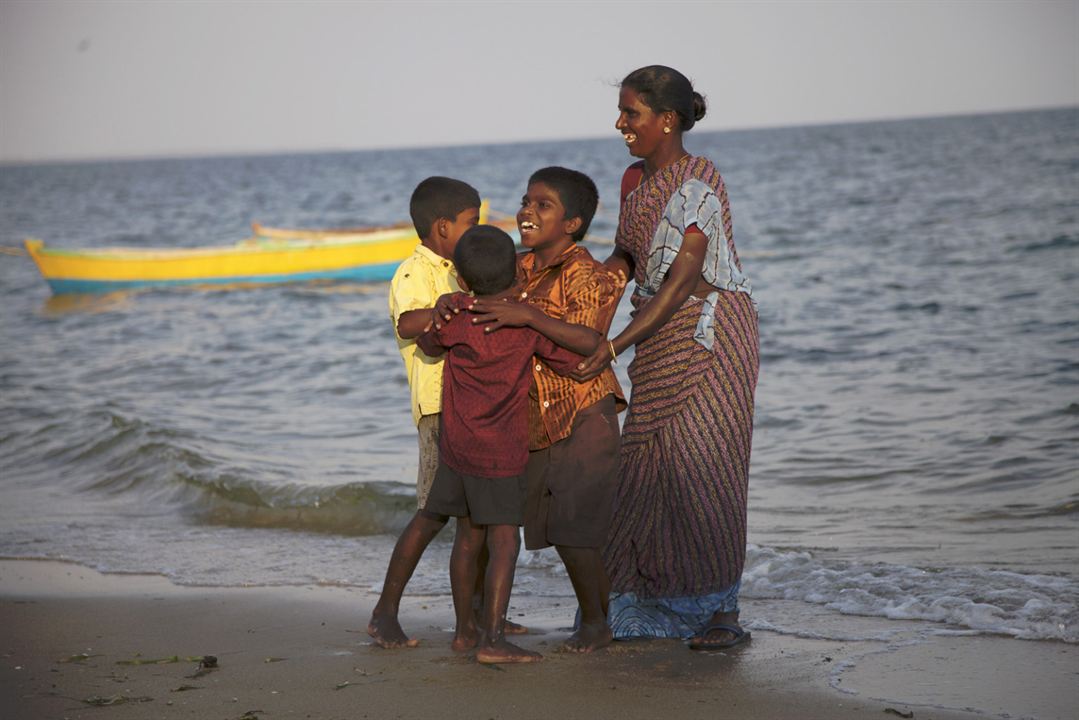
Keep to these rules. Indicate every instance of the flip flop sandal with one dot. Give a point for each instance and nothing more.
(739, 636)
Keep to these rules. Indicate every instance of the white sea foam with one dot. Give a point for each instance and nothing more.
(796, 630)
(1036, 607)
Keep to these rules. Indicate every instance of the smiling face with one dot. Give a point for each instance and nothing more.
(542, 219)
(640, 126)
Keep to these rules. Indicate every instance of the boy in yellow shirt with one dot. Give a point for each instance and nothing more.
(441, 209)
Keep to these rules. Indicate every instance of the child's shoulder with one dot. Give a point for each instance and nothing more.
(460, 300)
(581, 263)
(583, 273)
(422, 264)
(459, 323)
(409, 265)
(423, 256)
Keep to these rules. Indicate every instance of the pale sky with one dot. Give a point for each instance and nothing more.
(89, 79)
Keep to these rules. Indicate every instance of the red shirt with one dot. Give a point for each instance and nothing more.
(485, 385)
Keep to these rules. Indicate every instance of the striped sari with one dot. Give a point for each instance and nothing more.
(677, 545)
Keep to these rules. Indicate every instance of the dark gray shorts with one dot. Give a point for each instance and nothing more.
(571, 484)
(484, 501)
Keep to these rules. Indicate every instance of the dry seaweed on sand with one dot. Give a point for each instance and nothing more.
(251, 715)
(139, 660)
(80, 657)
(118, 699)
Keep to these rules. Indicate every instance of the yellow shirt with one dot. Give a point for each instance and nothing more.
(417, 284)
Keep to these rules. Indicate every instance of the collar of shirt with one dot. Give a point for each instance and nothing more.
(528, 260)
(434, 258)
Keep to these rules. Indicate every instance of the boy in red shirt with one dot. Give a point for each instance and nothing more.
(483, 446)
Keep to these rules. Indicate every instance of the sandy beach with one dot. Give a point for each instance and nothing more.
(79, 644)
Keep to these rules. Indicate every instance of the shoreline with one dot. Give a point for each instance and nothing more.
(131, 643)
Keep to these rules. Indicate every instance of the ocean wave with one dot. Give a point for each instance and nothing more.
(930, 308)
(1059, 242)
(160, 469)
(1024, 512)
(351, 509)
(1034, 607)
(796, 631)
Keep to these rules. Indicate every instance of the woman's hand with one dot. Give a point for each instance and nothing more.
(502, 313)
(594, 364)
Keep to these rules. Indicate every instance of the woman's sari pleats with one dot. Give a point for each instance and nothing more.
(686, 441)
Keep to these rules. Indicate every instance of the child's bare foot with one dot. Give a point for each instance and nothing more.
(388, 634)
(588, 638)
(505, 652)
(465, 639)
(512, 628)
(508, 628)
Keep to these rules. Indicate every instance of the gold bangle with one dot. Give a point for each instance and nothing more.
(614, 355)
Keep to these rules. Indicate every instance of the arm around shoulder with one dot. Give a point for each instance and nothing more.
(430, 343)
(412, 298)
(413, 323)
(558, 358)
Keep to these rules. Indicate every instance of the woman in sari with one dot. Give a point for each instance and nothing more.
(677, 544)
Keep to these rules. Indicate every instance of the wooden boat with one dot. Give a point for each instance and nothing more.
(264, 231)
(273, 255)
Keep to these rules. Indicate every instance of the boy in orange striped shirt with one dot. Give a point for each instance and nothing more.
(573, 427)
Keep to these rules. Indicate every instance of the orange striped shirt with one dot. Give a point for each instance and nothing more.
(578, 290)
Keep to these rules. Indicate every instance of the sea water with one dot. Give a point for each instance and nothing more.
(915, 450)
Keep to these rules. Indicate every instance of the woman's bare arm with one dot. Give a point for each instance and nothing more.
(682, 279)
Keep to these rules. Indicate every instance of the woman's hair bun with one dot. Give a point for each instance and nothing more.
(700, 107)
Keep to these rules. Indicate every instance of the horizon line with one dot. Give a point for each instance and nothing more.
(204, 154)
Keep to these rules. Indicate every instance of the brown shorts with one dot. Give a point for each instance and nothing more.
(428, 435)
(484, 501)
(571, 484)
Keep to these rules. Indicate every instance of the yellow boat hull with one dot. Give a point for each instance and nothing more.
(251, 261)
(280, 255)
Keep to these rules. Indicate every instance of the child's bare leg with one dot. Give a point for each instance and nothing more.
(510, 628)
(466, 549)
(590, 583)
(504, 542)
(417, 535)
(481, 573)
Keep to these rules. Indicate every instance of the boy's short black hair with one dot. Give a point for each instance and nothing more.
(486, 259)
(440, 197)
(576, 191)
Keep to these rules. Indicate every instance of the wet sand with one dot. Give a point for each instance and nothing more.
(78, 644)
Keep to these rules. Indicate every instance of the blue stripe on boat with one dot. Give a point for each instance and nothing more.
(364, 273)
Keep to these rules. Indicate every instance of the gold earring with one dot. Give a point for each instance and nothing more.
(666, 131)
